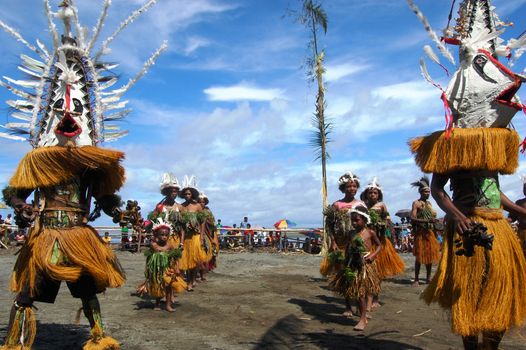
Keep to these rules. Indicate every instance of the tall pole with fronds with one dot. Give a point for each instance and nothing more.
(315, 19)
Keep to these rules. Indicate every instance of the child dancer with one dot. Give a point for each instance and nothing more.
(359, 278)
(163, 277)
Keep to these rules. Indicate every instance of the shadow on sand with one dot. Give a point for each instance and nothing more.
(291, 333)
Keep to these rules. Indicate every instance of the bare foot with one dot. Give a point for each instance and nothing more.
(348, 313)
(190, 289)
(361, 325)
(169, 307)
(415, 284)
(375, 305)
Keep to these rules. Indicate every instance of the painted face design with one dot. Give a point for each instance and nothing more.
(68, 118)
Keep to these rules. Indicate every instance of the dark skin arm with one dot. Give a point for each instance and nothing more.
(445, 203)
(516, 210)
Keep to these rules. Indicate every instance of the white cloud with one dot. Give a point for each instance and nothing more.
(408, 92)
(194, 43)
(336, 72)
(242, 92)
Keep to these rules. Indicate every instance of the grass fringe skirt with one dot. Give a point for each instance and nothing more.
(193, 253)
(367, 282)
(82, 250)
(388, 262)
(485, 292)
(426, 248)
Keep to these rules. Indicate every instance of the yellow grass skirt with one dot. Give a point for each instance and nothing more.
(493, 149)
(485, 292)
(367, 282)
(193, 254)
(388, 262)
(426, 248)
(82, 252)
(522, 238)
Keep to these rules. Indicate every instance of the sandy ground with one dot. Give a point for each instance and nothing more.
(251, 301)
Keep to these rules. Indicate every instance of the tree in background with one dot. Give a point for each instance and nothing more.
(314, 18)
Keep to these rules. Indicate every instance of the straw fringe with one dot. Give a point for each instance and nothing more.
(388, 262)
(83, 251)
(175, 282)
(98, 341)
(50, 166)
(494, 149)
(367, 283)
(484, 292)
(24, 325)
(426, 248)
(193, 253)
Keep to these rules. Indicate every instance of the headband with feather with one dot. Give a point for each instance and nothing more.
(349, 177)
(422, 184)
(373, 185)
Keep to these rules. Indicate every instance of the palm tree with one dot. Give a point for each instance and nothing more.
(315, 18)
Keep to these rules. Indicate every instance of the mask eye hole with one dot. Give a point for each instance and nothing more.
(77, 105)
(59, 103)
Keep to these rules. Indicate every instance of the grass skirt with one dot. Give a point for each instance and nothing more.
(82, 252)
(388, 262)
(193, 253)
(426, 248)
(367, 282)
(522, 238)
(485, 292)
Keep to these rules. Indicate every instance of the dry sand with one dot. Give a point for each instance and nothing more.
(251, 301)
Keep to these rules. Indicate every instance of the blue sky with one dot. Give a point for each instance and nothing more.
(229, 101)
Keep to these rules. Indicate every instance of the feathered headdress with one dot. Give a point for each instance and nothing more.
(68, 96)
(423, 183)
(373, 185)
(348, 177)
(190, 183)
(159, 223)
(482, 92)
(169, 180)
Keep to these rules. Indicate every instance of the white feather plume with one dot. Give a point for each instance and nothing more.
(123, 25)
(99, 25)
(439, 44)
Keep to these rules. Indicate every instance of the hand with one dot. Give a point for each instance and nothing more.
(368, 259)
(462, 223)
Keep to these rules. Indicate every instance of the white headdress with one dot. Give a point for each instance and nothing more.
(361, 210)
(67, 97)
(169, 180)
(348, 177)
(373, 185)
(190, 183)
(482, 92)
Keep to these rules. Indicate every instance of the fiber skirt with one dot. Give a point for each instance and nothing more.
(484, 292)
(388, 262)
(193, 254)
(426, 248)
(65, 254)
(366, 282)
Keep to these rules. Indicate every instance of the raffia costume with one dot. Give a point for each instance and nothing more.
(356, 278)
(388, 262)
(61, 107)
(485, 292)
(161, 272)
(426, 247)
(338, 223)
